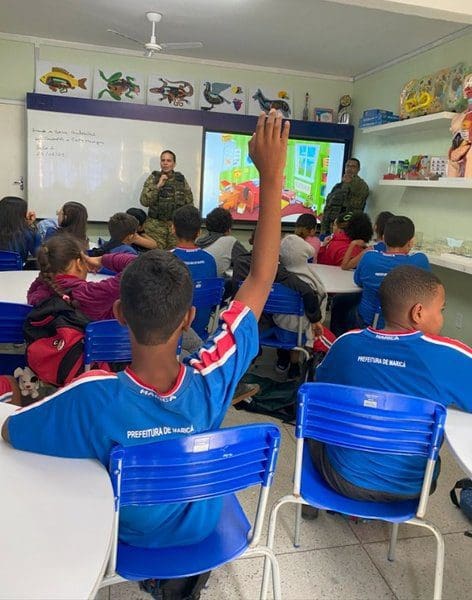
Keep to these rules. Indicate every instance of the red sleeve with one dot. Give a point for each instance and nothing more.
(117, 262)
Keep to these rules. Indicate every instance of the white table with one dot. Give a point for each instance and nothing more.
(459, 436)
(14, 285)
(335, 280)
(56, 518)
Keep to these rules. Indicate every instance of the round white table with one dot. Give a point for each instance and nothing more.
(335, 280)
(56, 520)
(14, 285)
(459, 436)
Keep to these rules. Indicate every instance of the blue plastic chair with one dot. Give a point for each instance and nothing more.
(10, 261)
(12, 318)
(106, 341)
(371, 421)
(284, 301)
(207, 297)
(188, 469)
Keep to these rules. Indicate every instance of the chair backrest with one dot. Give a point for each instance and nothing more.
(195, 467)
(207, 295)
(10, 261)
(106, 341)
(12, 318)
(371, 420)
(285, 301)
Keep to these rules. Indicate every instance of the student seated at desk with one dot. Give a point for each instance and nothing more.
(187, 223)
(141, 242)
(17, 230)
(123, 229)
(305, 227)
(379, 230)
(407, 357)
(157, 397)
(63, 271)
(72, 219)
(219, 242)
(351, 233)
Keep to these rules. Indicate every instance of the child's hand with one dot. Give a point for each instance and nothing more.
(31, 217)
(317, 329)
(268, 145)
(93, 263)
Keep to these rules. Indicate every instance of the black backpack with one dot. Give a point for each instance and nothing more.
(54, 335)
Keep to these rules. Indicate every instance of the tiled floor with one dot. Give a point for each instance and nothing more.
(339, 559)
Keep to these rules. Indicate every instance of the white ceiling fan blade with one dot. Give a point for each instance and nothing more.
(127, 37)
(180, 45)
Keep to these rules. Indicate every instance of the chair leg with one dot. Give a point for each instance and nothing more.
(298, 518)
(439, 569)
(274, 565)
(270, 540)
(393, 542)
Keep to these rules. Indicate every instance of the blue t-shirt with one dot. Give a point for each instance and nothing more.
(200, 263)
(380, 246)
(411, 363)
(26, 244)
(99, 410)
(369, 274)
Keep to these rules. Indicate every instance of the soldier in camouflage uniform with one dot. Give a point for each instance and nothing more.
(164, 192)
(347, 196)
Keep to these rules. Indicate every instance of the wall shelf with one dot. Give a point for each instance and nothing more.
(459, 183)
(427, 123)
(452, 261)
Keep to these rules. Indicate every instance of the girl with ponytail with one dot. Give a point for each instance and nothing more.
(63, 271)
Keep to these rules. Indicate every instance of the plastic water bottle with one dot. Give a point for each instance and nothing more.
(392, 169)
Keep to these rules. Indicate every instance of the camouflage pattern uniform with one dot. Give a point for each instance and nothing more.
(344, 197)
(162, 203)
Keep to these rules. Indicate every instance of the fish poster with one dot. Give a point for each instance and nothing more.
(264, 98)
(63, 79)
(171, 92)
(217, 96)
(119, 86)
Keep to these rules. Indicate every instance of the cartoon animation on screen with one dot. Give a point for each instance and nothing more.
(60, 80)
(117, 85)
(175, 92)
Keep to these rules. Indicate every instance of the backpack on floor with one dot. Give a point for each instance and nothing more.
(464, 502)
(54, 335)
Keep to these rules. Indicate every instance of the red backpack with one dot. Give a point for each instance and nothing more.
(54, 335)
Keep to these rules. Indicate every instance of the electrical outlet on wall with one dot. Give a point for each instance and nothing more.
(459, 320)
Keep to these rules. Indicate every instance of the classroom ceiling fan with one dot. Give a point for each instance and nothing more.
(153, 47)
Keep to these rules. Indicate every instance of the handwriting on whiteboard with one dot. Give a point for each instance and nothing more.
(52, 143)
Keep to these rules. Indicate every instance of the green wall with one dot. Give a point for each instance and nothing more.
(437, 213)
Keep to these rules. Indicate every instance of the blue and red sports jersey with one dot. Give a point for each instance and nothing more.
(99, 410)
(412, 363)
(370, 272)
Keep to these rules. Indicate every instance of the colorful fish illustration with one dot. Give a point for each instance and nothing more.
(61, 80)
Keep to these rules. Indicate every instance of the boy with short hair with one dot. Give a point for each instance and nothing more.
(157, 397)
(186, 225)
(305, 227)
(399, 237)
(407, 357)
(122, 228)
(142, 242)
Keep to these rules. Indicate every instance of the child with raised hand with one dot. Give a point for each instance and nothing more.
(157, 397)
(17, 231)
(63, 271)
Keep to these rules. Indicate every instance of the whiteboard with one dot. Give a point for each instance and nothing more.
(100, 161)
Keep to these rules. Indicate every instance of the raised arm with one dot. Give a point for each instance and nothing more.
(268, 150)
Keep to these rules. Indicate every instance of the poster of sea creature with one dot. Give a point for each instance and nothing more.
(223, 97)
(265, 98)
(60, 78)
(171, 92)
(119, 86)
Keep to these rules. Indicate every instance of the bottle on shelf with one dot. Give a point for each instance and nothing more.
(392, 169)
